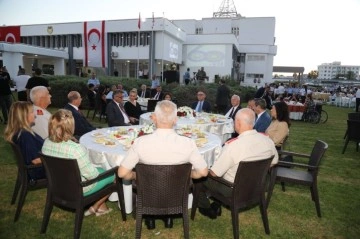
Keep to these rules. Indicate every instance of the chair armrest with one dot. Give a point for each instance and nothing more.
(222, 181)
(100, 176)
(282, 163)
(33, 166)
(282, 152)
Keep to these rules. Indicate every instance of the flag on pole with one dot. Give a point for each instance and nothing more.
(10, 34)
(139, 22)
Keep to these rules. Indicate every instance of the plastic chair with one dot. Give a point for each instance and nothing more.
(248, 190)
(288, 172)
(23, 181)
(162, 190)
(66, 189)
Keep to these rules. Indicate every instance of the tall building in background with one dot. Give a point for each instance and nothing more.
(333, 70)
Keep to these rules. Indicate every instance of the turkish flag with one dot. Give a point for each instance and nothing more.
(10, 34)
(139, 22)
(95, 44)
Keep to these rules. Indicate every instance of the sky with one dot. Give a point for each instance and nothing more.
(308, 32)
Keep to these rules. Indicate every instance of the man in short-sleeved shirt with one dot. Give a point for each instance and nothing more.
(41, 99)
(243, 148)
(36, 80)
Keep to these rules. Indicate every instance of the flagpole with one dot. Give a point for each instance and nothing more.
(138, 45)
(152, 48)
(162, 58)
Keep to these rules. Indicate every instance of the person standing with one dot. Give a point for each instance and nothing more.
(34, 81)
(5, 96)
(21, 80)
(41, 99)
(357, 95)
(201, 76)
(222, 97)
(187, 76)
(163, 147)
(82, 126)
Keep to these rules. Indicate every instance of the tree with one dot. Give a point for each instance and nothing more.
(313, 74)
(350, 75)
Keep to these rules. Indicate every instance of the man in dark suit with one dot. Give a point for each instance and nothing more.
(82, 126)
(201, 105)
(222, 97)
(115, 112)
(231, 112)
(144, 92)
(263, 119)
(158, 94)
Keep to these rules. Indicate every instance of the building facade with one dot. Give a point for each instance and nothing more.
(238, 47)
(332, 70)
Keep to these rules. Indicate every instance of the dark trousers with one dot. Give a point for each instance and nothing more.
(213, 186)
(5, 102)
(357, 104)
(22, 96)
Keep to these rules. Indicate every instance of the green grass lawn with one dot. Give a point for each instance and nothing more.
(291, 214)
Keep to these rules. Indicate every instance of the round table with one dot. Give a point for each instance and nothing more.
(212, 123)
(111, 156)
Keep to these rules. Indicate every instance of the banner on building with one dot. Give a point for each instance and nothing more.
(10, 34)
(95, 44)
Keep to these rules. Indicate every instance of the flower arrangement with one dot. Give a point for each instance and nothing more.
(185, 111)
(147, 129)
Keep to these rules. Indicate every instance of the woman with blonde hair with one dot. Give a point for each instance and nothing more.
(61, 143)
(19, 132)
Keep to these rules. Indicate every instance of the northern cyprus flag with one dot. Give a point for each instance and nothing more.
(95, 44)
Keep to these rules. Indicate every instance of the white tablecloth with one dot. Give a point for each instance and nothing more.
(224, 127)
(296, 110)
(111, 156)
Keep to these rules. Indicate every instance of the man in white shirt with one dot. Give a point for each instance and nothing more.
(41, 99)
(94, 80)
(21, 81)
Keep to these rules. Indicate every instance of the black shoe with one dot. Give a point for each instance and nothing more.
(216, 207)
(208, 212)
(168, 222)
(150, 223)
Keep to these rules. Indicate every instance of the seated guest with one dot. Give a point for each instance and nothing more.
(132, 108)
(243, 148)
(91, 95)
(93, 80)
(235, 107)
(251, 104)
(100, 100)
(115, 111)
(61, 144)
(82, 126)
(175, 149)
(158, 94)
(144, 92)
(279, 127)
(167, 96)
(263, 119)
(202, 104)
(19, 132)
(109, 94)
(41, 99)
(120, 87)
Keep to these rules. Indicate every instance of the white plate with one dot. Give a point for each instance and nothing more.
(97, 134)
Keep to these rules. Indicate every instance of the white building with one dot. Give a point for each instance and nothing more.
(331, 70)
(239, 47)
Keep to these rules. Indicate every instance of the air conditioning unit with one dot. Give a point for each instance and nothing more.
(114, 54)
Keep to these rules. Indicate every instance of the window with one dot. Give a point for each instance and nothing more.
(199, 30)
(255, 57)
(235, 31)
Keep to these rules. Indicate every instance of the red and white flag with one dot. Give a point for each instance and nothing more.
(153, 21)
(139, 21)
(10, 34)
(95, 44)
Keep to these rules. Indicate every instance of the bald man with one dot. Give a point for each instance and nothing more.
(243, 148)
(82, 126)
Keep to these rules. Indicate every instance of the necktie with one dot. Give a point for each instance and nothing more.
(232, 112)
(199, 106)
(143, 94)
(157, 96)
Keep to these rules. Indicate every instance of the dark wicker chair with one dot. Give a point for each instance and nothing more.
(23, 181)
(303, 177)
(66, 190)
(352, 116)
(353, 129)
(151, 105)
(248, 190)
(162, 190)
